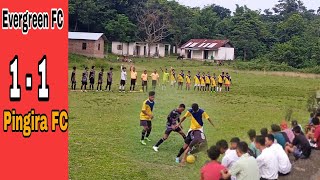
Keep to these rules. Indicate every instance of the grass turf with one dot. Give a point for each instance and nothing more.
(104, 128)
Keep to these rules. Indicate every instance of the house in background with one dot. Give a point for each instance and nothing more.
(87, 44)
(208, 49)
(140, 49)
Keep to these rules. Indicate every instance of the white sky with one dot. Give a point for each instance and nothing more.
(252, 4)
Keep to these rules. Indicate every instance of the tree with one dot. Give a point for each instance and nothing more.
(153, 26)
(293, 26)
(120, 29)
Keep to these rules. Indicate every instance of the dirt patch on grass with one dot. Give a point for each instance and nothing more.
(305, 169)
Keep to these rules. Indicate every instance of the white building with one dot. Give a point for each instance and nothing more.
(208, 49)
(140, 49)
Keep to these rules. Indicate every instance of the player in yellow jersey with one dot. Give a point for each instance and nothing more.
(165, 78)
(227, 82)
(173, 77)
(207, 81)
(220, 81)
(146, 116)
(180, 79)
(155, 78)
(202, 82)
(188, 81)
(196, 79)
(213, 83)
(195, 140)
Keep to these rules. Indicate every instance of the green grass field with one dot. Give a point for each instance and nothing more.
(104, 128)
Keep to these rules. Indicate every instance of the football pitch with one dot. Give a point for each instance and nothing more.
(104, 128)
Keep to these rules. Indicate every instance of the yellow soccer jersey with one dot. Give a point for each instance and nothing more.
(227, 81)
(180, 78)
(207, 79)
(213, 82)
(202, 81)
(196, 80)
(196, 118)
(146, 106)
(188, 79)
(220, 79)
(173, 76)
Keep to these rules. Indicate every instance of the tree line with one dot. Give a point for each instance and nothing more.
(287, 33)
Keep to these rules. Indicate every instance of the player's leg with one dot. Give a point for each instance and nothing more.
(187, 141)
(165, 137)
(134, 84)
(182, 133)
(149, 124)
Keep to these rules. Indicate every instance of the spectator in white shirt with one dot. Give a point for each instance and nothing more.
(231, 156)
(283, 159)
(267, 160)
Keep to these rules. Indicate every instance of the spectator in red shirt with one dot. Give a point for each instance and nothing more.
(211, 171)
(316, 124)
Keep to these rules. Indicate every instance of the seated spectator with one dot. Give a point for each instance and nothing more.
(212, 170)
(276, 131)
(295, 123)
(283, 159)
(245, 168)
(285, 129)
(310, 119)
(252, 136)
(264, 132)
(300, 146)
(222, 145)
(316, 138)
(267, 161)
(231, 156)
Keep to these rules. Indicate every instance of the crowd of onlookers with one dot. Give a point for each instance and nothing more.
(266, 157)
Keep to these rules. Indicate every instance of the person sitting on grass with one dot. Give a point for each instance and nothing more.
(211, 170)
(245, 168)
(264, 132)
(252, 136)
(276, 131)
(285, 129)
(283, 159)
(300, 146)
(310, 132)
(295, 123)
(316, 137)
(222, 145)
(267, 161)
(230, 156)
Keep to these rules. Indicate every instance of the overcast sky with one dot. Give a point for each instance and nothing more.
(252, 4)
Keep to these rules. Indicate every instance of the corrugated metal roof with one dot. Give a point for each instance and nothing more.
(204, 44)
(84, 35)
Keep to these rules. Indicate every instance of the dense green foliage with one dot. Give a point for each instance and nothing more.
(288, 33)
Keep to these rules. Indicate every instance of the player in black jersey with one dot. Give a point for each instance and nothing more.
(91, 77)
(73, 79)
(172, 120)
(100, 80)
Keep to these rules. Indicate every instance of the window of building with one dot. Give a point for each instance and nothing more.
(84, 46)
(119, 47)
(98, 47)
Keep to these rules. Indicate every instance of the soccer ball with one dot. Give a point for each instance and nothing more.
(191, 159)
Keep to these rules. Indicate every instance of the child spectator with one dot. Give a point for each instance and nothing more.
(211, 171)
(316, 139)
(222, 146)
(275, 130)
(252, 136)
(264, 132)
(300, 146)
(231, 156)
(285, 129)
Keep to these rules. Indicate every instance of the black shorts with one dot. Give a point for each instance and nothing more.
(109, 83)
(74, 82)
(99, 82)
(220, 84)
(207, 85)
(146, 123)
(180, 83)
(154, 82)
(144, 83)
(84, 83)
(169, 130)
(133, 82)
(91, 80)
(122, 82)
